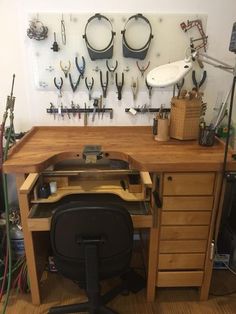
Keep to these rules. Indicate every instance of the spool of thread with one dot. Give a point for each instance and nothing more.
(162, 130)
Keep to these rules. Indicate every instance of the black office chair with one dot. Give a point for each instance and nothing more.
(90, 243)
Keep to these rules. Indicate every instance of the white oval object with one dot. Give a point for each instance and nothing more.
(168, 74)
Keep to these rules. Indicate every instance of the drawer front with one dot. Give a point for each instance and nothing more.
(187, 203)
(181, 261)
(184, 232)
(185, 218)
(188, 183)
(183, 246)
(179, 279)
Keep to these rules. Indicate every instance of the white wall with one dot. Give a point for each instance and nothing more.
(221, 16)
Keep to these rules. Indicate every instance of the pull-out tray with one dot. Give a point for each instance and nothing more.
(39, 218)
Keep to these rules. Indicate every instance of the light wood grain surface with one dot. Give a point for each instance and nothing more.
(44, 146)
(169, 300)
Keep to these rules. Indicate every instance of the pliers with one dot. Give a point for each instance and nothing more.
(104, 85)
(112, 69)
(74, 86)
(196, 83)
(81, 69)
(142, 69)
(119, 85)
(149, 89)
(59, 85)
(89, 86)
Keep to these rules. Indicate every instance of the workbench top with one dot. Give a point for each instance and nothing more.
(44, 146)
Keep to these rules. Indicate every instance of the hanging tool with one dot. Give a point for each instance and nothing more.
(112, 69)
(78, 109)
(119, 85)
(89, 86)
(73, 108)
(180, 86)
(81, 69)
(60, 111)
(55, 46)
(85, 115)
(196, 83)
(67, 111)
(63, 31)
(59, 88)
(149, 90)
(66, 68)
(95, 106)
(104, 85)
(142, 69)
(53, 110)
(134, 87)
(100, 105)
(74, 86)
(59, 85)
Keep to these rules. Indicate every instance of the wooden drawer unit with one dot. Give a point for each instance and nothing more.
(185, 218)
(188, 183)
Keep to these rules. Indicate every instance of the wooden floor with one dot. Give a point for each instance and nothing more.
(57, 290)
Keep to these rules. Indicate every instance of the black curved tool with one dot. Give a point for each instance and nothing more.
(81, 69)
(196, 83)
(89, 86)
(149, 89)
(142, 69)
(74, 86)
(119, 85)
(180, 85)
(104, 85)
(58, 85)
(112, 69)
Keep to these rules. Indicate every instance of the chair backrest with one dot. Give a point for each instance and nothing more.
(84, 220)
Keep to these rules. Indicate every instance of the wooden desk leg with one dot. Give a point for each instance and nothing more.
(29, 244)
(204, 289)
(214, 228)
(152, 265)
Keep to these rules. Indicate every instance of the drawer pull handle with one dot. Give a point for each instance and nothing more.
(169, 178)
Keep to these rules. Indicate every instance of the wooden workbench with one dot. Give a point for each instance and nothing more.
(188, 178)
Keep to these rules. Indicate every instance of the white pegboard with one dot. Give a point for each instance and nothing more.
(168, 44)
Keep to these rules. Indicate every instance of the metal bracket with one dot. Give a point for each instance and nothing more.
(92, 153)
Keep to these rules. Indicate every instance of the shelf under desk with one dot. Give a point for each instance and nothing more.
(39, 218)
